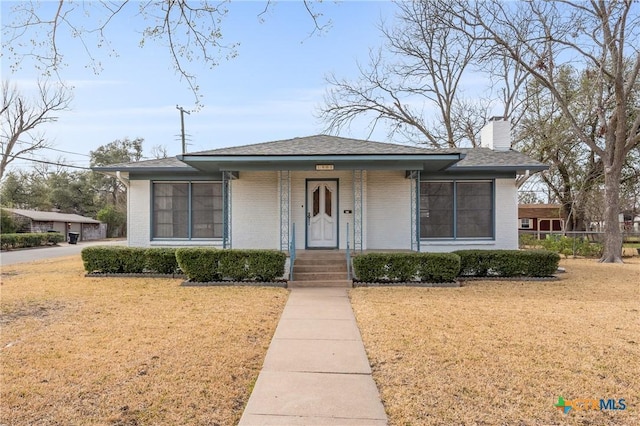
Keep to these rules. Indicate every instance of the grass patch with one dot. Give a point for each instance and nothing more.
(118, 351)
(502, 352)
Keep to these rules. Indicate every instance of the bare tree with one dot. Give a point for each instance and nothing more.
(603, 36)
(20, 116)
(544, 132)
(159, 151)
(421, 79)
(192, 31)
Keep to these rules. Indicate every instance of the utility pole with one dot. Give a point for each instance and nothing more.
(182, 111)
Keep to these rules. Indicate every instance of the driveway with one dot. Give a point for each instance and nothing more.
(63, 249)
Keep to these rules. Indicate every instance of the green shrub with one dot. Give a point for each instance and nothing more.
(12, 241)
(54, 237)
(371, 267)
(208, 264)
(508, 263)
(7, 224)
(7, 241)
(541, 263)
(402, 266)
(568, 246)
(438, 267)
(427, 267)
(31, 240)
(115, 219)
(528, 240)
(233, 265)
(113, 259)
(199, 264)
(265, 265)
(161, 260)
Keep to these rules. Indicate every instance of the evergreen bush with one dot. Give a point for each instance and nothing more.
(113, 259)
(508, 263)
(199, 264)
(266, 265)
(568, 246)
(208, 264)
(401, 267)
(14, 241)
(161, 260)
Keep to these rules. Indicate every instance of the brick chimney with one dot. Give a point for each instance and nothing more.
(496, 134)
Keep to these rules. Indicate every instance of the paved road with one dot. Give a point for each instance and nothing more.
(64, 249)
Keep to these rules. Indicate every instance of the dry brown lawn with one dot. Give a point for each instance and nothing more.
(128, 351)
(494, 353)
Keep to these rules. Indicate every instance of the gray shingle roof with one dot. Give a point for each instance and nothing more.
(485, 158)
(52, 216)
(320, 145)
(161, 164)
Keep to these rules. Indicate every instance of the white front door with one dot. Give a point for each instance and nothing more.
(322, 213)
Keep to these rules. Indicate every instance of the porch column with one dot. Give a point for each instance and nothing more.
(284, 181)
(414, 177)
(226, 209)
(357, 209)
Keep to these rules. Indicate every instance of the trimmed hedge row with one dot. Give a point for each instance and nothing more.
(199, 264)
(445, 267)
(208, 264)
(426, 267)
(161, 260)
(13, 241)
(129, 260)
(508, 263)
(114, 259)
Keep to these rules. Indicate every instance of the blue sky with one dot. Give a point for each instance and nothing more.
(270, 91)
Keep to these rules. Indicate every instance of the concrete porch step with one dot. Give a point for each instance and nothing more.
(321, 268)
(319, 261)
(319, 276)
(334, 267)
(320, 283)
(320, 254)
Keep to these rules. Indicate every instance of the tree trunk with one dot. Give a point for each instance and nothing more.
(612, 236)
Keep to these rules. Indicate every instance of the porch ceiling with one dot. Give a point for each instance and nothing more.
(430, 162)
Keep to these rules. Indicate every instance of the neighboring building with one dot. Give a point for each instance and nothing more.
(38, 221)
(325, 190)
(540, 218)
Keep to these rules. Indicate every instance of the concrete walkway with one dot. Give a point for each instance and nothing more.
(316, 371)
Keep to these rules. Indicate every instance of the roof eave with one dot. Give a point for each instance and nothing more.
(309, 162)
(315, 157)
(110, 170)
(504, 168)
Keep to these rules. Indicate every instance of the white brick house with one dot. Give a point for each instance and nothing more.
(326, 192)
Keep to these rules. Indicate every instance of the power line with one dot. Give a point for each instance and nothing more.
(55, 149)
(67, 152)
(50, 162)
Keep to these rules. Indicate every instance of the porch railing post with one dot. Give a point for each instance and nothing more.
(226, 209)
(348, 255)
(415, 210)
(292, 250)
(284, 177)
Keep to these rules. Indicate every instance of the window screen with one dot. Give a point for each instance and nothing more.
(171, 210)
(462, 209)
(175, 203)
(436, 210)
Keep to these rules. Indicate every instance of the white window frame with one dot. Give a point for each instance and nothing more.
(522, 223)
